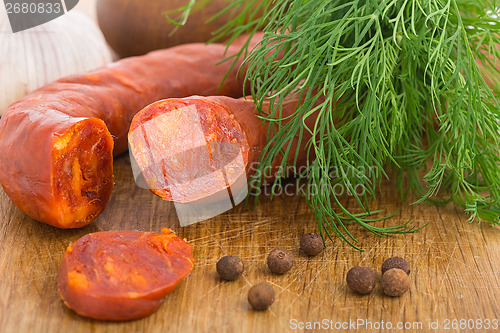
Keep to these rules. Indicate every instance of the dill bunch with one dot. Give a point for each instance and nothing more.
(404, 97)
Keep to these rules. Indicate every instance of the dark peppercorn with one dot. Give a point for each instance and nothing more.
(230, 267)
(280, 261)
(261, 296)
(395, 282)
(396, 262)
(361, 280)
(311, 244)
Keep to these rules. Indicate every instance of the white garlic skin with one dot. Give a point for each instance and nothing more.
(29, 59)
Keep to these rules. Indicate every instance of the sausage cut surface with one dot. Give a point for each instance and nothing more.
(173, 143)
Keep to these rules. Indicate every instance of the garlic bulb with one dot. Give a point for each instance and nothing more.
(69, 44)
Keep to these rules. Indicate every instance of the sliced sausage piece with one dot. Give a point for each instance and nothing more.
(122, 275)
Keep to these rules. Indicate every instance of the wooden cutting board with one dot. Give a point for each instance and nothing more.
(455, 268)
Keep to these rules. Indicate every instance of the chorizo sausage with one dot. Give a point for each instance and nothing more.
(122, 275)
(56, 144)
(172, 143)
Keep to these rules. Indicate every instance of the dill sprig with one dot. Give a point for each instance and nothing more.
(394, 88)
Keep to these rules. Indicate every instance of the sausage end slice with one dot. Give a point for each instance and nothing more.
(122, 275)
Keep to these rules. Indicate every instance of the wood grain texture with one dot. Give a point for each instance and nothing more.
(455, 267)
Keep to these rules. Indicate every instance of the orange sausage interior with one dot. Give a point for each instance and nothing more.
(188, 149)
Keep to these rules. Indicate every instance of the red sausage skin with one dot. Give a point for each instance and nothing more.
(122, 275)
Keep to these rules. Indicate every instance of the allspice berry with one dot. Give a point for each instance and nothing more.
(280, 261)
(230, 267)
(396, 262)
(261, 296)
(361, 280)
(311, 244)
(395, 282)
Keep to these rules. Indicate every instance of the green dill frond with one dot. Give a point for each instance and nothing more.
(401, 93)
